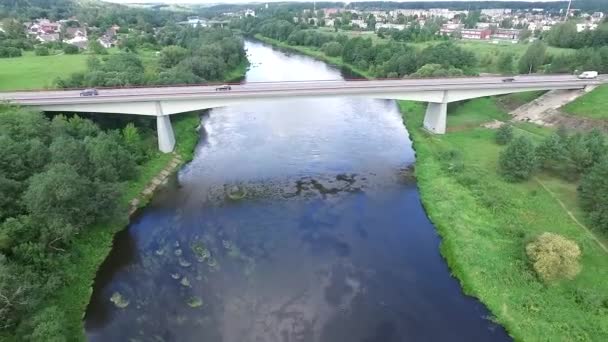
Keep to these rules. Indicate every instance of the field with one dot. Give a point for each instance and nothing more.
(593, 105)
(37, 72)
(485, 223)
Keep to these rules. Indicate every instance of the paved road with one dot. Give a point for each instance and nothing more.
(286, 89)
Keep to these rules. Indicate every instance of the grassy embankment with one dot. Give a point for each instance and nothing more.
(93, 246)
(593, 105)
(313, 52)
(37, 72)
(485, 223)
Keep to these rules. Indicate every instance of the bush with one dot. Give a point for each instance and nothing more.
(554, 257)
(71, 49)
(504, 134)
(332, 49)
(518, 161)
(41, 51)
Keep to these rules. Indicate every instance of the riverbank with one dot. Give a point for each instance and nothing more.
(93, 246)
(485, 223)
(314, 53)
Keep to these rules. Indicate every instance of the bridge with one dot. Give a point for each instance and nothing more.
(162, 102)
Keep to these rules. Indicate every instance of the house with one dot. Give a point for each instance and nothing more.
(74, 32)
(47, 38)
(329, 22)
(362, 24)
(478, 34)
(249, 13)
(81, 44)
(106, 42)
(448, 29)
(585, 26)
(390, 27)
(508, 34)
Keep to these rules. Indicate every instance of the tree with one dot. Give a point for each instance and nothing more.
(504, 134)
(96, 47)
(48, 325)
(518, 161)
(170, 56)
(332, 49)
(41, 51)
(71, 49)
(505, 63)
(554, 257)
(533, 58)
(593, 194)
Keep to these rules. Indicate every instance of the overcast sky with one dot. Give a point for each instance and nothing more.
(260, 1)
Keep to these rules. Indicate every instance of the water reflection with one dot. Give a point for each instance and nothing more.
(296, 221)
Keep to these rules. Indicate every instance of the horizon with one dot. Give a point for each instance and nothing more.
(213, 2)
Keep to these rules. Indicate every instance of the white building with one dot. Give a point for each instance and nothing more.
(362, 24)
(585, 26)
(390, 27)
(249, 13)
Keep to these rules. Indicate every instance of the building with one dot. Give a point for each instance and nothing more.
(585, 27)
(106, 42)
(448, 29)
(327, 12)
(507, 34)
(390, 27)
(329, 22)
(249, 13)
(47, 38)
(362, 24)
(478, 34)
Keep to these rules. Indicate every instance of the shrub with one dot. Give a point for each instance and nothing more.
(41, 51)
(332, 49)
(518, 161)
(504, 134)
(71, 49)
(554, 257)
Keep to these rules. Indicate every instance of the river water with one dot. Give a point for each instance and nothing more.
(297, 220)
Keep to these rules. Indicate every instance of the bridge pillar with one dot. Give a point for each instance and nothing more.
(436, 117)
(164, 131)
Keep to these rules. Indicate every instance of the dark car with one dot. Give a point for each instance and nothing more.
(223, 88)
(508, 79)
(89, 92)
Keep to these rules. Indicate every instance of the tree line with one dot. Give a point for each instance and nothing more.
(188, 55)
(58, 177)
(581, 157)
(390, 59)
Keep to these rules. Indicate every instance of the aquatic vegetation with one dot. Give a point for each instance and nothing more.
(177, 252)
(195, 302)
(184, 263)
(212, 263)
(236, 193)
(181, 319)
(200, 251)
(119, 301)
(233, 250)
(249, 267)
(185, 282)
(159, 251)
(175, 275)
(176, 244)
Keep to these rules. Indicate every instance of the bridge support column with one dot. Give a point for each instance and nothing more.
(164, 130)
(436, 117)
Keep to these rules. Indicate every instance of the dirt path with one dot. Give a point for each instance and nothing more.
(591, 234)
(540, 110)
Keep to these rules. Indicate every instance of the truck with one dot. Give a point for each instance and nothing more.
(588, 75)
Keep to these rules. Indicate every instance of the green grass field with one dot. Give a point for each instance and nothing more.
(485, 223)
(593, 105)
(37, 72)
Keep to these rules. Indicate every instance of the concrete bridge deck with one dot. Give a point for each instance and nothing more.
(164, 101)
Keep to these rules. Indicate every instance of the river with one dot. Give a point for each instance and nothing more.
(297, 220)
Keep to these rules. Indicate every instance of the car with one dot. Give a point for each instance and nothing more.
(89, 92)
(588, 75)
(508, 79)
(223, 88)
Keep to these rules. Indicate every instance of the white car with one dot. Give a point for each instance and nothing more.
(588, 75)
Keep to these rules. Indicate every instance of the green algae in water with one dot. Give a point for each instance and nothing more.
(236, 193)
(200, 251)
(185, 282)
(184, 263)
(175, 275)
(177, 252)
(195, 302)
(119, 300)
(212, 263)
(233, 250)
